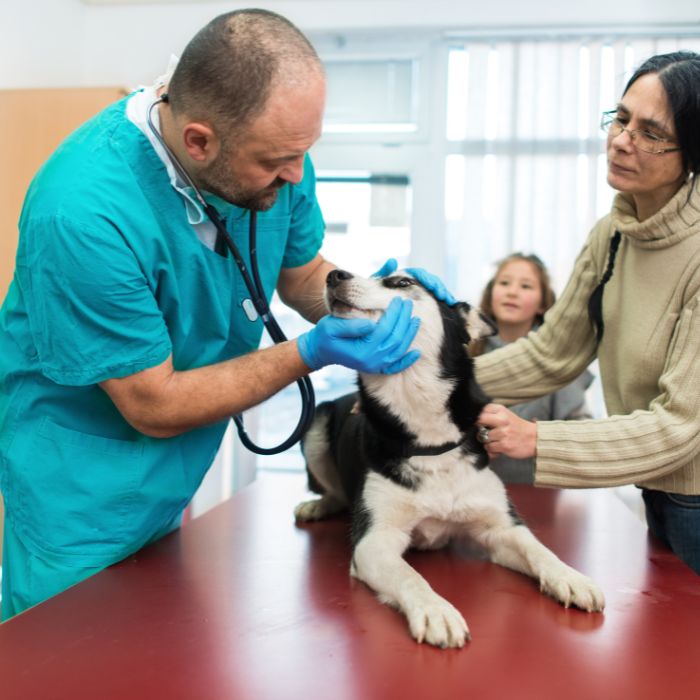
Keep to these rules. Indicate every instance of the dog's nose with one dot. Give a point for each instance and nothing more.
(335, 277)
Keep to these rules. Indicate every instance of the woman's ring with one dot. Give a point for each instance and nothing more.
(482, 435)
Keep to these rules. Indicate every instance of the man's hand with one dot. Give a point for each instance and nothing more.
(431, 282)
(362, 344)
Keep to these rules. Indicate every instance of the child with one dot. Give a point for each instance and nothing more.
(516, 299)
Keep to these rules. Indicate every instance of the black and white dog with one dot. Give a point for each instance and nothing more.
(403, 456)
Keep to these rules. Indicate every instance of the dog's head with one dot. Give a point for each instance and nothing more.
(350, 296)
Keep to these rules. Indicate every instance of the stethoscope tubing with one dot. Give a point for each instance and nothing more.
(257, 295)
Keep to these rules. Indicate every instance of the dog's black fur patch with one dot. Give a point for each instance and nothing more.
(468, 399)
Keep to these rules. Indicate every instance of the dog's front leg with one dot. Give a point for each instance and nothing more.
(515, 547)
(378, 561)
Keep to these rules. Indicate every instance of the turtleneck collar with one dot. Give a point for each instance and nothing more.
(677, 220)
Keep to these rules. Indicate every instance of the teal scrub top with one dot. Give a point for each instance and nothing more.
(110, 280)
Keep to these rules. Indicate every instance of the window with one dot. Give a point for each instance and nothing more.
(371, 96)
(525, 159)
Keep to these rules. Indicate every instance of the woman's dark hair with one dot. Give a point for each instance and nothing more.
(228, 69)
(679, 73)
(595, 301)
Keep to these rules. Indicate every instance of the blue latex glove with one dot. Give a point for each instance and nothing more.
(387, 268)
(431, 282)
(362, 344)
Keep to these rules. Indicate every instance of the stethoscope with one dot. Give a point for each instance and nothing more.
(256, 306)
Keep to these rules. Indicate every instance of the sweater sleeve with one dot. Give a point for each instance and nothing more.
(644, 445)
(561, 348)
(658, 443)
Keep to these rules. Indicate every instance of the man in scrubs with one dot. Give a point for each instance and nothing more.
(124, 345)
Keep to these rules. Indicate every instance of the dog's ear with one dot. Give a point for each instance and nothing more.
(477, 325)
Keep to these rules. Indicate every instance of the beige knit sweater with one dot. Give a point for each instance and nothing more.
(649, 357)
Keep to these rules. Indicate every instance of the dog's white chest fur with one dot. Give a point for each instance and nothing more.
(453, 498)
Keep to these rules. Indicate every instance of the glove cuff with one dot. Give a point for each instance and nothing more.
(304, 346)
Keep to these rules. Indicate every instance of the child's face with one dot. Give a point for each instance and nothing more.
(517, 294)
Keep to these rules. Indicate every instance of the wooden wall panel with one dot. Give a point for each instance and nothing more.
(33, 123)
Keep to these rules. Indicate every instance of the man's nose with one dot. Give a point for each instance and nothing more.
(293, 171)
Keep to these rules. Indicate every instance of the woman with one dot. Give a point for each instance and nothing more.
(633, 302)
(515, 299)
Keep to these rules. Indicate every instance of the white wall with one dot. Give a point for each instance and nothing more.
(41, 43)
(53, 43)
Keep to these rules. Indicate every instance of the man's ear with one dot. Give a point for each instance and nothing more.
(201, 142)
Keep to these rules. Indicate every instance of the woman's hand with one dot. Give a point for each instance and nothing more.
(504, 433)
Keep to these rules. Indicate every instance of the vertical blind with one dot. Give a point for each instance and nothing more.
(525, 159)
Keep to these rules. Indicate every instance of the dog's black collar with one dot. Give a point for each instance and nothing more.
(431, 450)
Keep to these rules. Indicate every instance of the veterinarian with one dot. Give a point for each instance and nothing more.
(125, 340)
(633, 301)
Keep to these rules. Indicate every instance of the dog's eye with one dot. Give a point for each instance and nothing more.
(398, 282)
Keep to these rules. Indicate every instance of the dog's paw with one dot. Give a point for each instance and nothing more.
(570, 587)
(310, 510)
(437, 622)
(319, 508)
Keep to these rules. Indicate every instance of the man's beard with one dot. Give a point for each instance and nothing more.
(217, 180)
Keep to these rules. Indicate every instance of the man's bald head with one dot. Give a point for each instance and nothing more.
(230, 67)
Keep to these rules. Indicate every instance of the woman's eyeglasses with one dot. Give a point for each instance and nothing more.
(644, 140)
